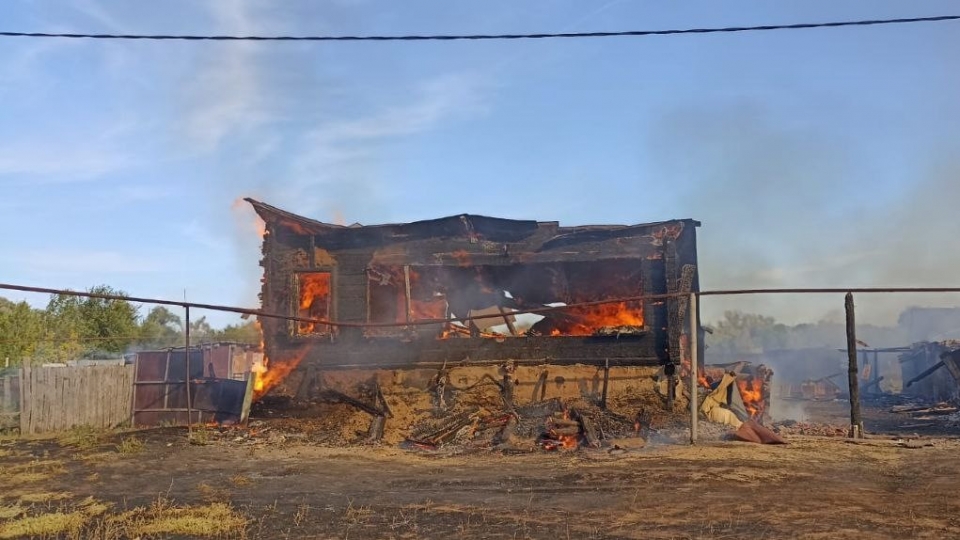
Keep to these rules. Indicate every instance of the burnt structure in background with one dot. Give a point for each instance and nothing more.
(475, 266)
(932, 370)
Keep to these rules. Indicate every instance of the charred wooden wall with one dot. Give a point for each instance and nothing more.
(664, 253)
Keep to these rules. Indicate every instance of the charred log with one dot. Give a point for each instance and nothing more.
(334, 396)
(375, 433)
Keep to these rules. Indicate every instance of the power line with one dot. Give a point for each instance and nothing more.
(456, 37)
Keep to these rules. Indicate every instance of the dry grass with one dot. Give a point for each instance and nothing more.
(47, 524)
(93, 507)
(211, 494)
(302, 511)
(32, 472)
(90, 518)
(130, 446)
(82, 438)
(200, 436)
(163, 518)
(240, 480)
(96, 457)
(45, 496)
(356, 515)
(11, 511)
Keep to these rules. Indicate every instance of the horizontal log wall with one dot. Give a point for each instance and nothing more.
(60, 398)
(349, 254)
(392, 353)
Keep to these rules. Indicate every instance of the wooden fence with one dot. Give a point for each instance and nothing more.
(59, 398)
(9, 400)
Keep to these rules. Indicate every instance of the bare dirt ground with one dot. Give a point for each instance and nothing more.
(158, 485)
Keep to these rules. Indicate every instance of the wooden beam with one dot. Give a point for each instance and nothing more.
(856, 423)
(406, 285)
(506, 319)
(606, 383)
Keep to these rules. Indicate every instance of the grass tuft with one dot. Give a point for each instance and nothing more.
(11, 511)
(163, 518)
(82, 438)
(131, 445)
(200, 436)
(45, 496)
(210, 493)
(241, 480)
(356, 515)
(49, 524)
(31, 472)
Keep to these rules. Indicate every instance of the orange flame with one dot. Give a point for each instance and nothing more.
(314, 299)
(434, 308)
(269, 373)
(258, 370)
(569, 441)
(751, 390)
(588, 319)
(553, 440)
(276, 373)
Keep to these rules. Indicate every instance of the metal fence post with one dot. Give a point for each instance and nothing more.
(186, 352)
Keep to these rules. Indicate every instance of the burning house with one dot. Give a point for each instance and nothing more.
(380, 282)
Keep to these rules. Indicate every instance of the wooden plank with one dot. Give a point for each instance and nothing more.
(7, 395)
(856, 423)
(407, 299)
(24, 414)
(33, 402)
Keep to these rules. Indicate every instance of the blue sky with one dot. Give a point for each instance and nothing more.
(813, 158)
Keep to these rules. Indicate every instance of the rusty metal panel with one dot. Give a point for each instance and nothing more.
(216, 361)
(151, 366)
(149, 396)
(177, 368)
(160, 390)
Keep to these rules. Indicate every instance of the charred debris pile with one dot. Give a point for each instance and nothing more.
(508, 408)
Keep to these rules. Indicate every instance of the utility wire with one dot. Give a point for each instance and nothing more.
(454, 37)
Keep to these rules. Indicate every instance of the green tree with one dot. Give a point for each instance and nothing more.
(112, 323)
(63, 329)
(76, 327)
(161, 328)
(21, 332)
(241, 333)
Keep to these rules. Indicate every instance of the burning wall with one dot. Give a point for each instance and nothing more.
(473, 266)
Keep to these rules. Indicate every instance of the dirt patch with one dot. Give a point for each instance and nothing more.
(310, 474)
(811, 488)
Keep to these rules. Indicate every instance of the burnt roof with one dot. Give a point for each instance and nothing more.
(492, 228)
